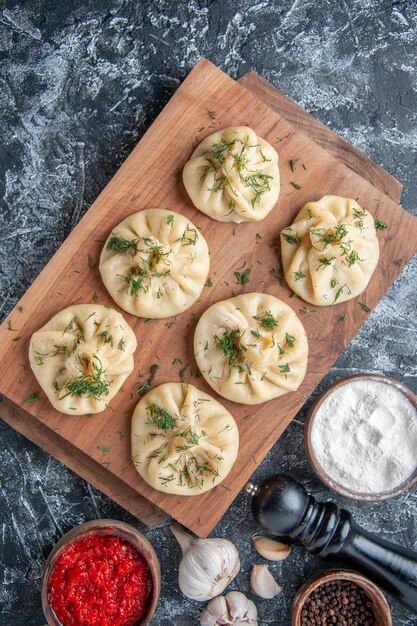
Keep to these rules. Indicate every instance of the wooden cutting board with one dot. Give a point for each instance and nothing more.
(147, 179)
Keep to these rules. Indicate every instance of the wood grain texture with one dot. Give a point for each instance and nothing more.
(323, 136)
(147, 179)
(80, 463)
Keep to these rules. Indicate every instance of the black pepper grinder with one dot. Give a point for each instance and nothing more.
(283, 507)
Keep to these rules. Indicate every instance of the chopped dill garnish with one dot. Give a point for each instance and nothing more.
(121, 245)
(244, 277)
(189, 237)
(160, 417)
(340, 291)
(342, 317)
(292, 239)
(256, 333)
(213, 114)
(255, 179)
(95, 297)
(352, 257)
(103, 449)
(293, 163)
(90, 262)
(74, 326)
(295, 185)
(333, 283)
(87, 385)
(231, 346)
(276, 274)
(333, 236)
(182, 371)
(359, 214)
(299, 275)
(279, 139)
(290, 340)
(307, 312)
(39, 356)
(266, 320)
(106, 338)
(364, 307)
(121, 345)
(325, 262)
(170, 220)
(63, 348)
(32, 398)
(285, 369)
(380, 225)
(10, 326)
(149, 383)
(208, 283)
(139, 277)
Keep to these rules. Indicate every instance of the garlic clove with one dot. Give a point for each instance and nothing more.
(234, 608)
(263, 583)
(215, 613)
(240, 607)
(207, 619)
(270, 549)
(207, 566)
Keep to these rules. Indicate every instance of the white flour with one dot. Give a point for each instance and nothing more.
(365, 436)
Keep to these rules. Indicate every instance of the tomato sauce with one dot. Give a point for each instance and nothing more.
(100, 581)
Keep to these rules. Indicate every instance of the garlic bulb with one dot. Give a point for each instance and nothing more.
(234, 608)
(270, 549)
(263, 583)
(207, 566)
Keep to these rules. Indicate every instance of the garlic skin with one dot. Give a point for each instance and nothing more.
(270, 549)
(207, 565)
(234, 608)
(263, 583)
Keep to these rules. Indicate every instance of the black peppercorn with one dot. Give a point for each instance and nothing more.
(340, 602)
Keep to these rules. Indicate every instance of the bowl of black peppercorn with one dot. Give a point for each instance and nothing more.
(340, 597)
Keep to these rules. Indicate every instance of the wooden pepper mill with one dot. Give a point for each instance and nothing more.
(283, 507)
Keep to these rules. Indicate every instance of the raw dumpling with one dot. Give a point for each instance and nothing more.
(155, 263)
(233, 176)
(82, 357)
(330, 251)
(251, 348)
(183, 441)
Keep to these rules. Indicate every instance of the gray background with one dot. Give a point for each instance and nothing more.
(80, 83)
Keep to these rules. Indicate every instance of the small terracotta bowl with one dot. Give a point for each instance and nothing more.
(324, 477)
(107, 527)
(380, 605)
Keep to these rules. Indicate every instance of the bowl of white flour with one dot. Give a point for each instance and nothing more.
(361, 437)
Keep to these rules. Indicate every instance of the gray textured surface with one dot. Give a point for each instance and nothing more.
(80, 83)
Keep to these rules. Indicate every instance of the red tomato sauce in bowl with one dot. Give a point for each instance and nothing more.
(100, 581)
